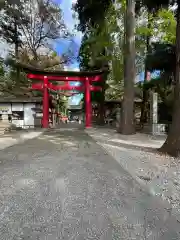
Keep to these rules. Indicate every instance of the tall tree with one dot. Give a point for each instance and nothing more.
(88, 14)
(172, 143)
(32, 25)
(45, 24)
(144, 106)
(161, 26)
(29, 27)
(13, 16)
(93, 24)
(127, 116)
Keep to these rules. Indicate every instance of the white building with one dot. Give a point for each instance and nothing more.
(21, 112)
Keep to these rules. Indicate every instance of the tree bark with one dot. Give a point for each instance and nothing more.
(172, 143)
(101, 113)
(144, 106)
(127, 126)
(16, 47)
(101, 104)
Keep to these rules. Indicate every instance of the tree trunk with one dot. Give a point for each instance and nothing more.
(172, 143)
(16, 47)
(101, 114)
(144, 106)
(101, 108)
(101, 105)
(127, 125)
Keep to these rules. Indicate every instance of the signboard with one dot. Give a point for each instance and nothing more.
(39, 114)
(5, 108)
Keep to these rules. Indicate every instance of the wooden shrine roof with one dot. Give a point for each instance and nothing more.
(33, 70)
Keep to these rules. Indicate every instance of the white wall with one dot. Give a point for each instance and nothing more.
(29, 114)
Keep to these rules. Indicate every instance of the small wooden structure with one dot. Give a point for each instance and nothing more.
(23, 112)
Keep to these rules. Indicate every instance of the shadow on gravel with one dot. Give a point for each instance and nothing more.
(129, 146)
(69, 137)
(105, 139)
(140, 142)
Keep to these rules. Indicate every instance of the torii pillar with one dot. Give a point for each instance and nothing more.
(88, 105)
(45, 120)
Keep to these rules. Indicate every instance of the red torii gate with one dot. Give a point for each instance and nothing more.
(45, 84)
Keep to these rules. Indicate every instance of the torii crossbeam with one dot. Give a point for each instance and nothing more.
(46, 78)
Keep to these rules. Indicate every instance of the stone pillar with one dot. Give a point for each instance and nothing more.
(53, 119)
(118, 117)
(154, 112)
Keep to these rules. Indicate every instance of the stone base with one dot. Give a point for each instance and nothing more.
(159, 129)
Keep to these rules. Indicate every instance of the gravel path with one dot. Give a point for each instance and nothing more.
(159, 174)
(63, 185)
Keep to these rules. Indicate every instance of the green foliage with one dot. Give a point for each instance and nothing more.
(167, 26)
(91, 12)
(164, 87)
(27, 28)
(95, 48)
(160, 26)
(2, 67)
(103, 45)
(161, 58)
(12, 19)
(97, 44)
(92, 53)
(152, 5)
(108, 35)
(13, 15)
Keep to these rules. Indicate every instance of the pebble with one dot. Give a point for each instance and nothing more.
(145, 178)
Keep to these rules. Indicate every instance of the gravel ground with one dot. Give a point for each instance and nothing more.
(160, 175)
(62, 185)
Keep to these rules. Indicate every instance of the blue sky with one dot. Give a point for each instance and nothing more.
(73, 43)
